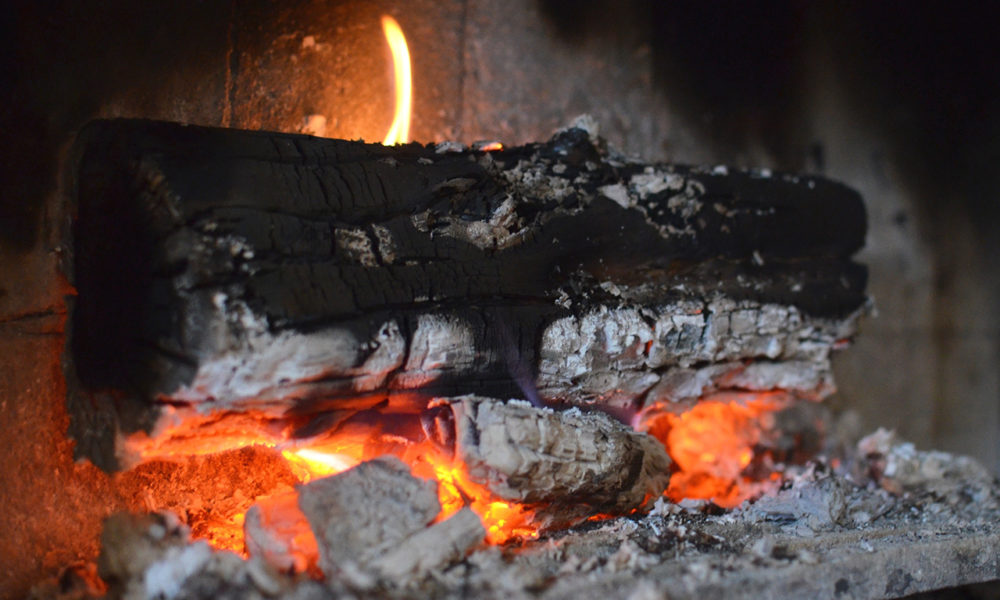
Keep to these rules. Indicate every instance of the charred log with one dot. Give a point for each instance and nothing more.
(234, 270)
(568, 465)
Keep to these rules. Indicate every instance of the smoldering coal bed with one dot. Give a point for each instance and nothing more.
(268, 298)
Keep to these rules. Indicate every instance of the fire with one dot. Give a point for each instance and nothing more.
(502, 520)
(192, 449)
(310, 464)
(712, 446)
(213, 468)
(400, 129)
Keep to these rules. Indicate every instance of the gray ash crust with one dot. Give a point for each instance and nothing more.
(888, 522)
(235, 243)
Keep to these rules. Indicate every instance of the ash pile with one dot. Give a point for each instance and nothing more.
(887, 522)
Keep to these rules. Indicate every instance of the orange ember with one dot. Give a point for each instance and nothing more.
(185, 457)
(712, 445)
(210, 492)
(502, 520)
(210, 469)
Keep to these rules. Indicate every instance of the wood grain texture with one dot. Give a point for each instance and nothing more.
(235, 269)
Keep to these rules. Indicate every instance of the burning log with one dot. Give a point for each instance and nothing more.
(304, 277)
(566, 465)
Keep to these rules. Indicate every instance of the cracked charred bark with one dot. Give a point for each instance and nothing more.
(236, 270)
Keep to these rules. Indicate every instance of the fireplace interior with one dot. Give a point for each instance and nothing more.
(114, 300)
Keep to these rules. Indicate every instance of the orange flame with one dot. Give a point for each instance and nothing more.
(712, 446)
(191, 439)
(400, 129)
(502, 520)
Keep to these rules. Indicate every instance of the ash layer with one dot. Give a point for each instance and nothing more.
(889, 522)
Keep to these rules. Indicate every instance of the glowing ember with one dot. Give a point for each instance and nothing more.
(188, 442)
(310, 464)
(502, 520)
(279, 516)
(713, 444)
(400, 129)
(209, 492)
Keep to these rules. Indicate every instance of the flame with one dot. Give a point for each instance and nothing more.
(400, 129)
(311, 464)
(712, 445)
(503, 520)
(200, 445)
(181, 463)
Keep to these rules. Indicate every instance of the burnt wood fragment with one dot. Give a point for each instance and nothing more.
(237, 270)
(566, 465)
(373, 522)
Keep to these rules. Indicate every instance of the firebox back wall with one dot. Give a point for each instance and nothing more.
(812, 88)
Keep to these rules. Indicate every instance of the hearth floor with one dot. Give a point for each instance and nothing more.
(890, 523)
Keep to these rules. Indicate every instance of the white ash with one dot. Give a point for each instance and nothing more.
(532, 179)
(679, 385)
(503, 229)
(152, 557)
(432, 548)
(786, 375)
(653, 181)
(386, 245)
(165, 577)
(251, 366)
(373, 525)
(796, 544)
(357, 245)
(568, 465)
(347, 511)
(439, 344)
(809, 502)
(449, 146)
(618, 193)
(791, 349)
(902, 469)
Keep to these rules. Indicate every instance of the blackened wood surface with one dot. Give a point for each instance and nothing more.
(196, 248)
